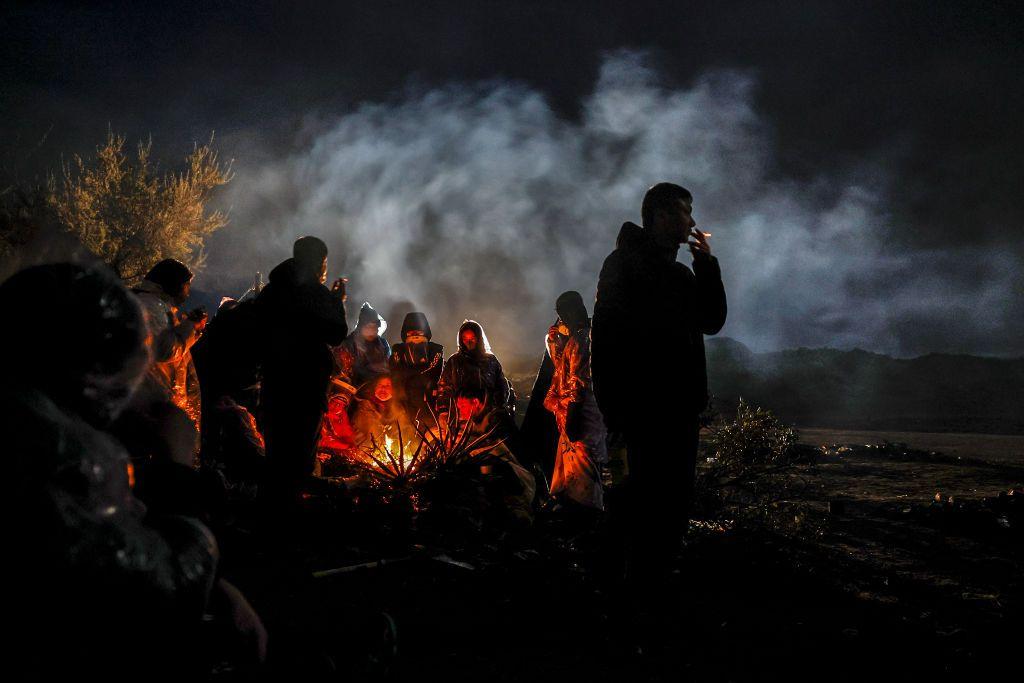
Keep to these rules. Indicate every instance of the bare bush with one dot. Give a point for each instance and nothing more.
(749, 469)
(127, 213)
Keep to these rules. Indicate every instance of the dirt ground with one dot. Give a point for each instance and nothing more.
(886, 583)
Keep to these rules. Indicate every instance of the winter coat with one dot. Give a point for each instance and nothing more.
(172, 373)
(582, 433)
(358, 361)
(647, 336)
(415, 371)
(300, 320)
(464, 367)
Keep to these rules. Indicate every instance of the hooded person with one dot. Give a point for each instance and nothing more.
(570, 398)
(474, 364)
(364, 354)
(172, 375)
(642, 285)
(302, 320)
(120, 590)
(416, 366)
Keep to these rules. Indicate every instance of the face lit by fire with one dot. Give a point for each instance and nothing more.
(468, 407)
(184, 293)
(469, 340)
(415, 337)
(338, 404)
(369, 331)
(383, 391)
(323, 271)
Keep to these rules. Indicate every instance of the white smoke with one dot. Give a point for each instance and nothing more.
(480, 201)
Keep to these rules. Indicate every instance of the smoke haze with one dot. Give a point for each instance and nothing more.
(480, 201)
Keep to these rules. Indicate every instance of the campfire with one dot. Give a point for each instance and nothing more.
(394, 461)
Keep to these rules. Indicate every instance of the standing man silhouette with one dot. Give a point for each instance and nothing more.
(301, 320)
(648, 362)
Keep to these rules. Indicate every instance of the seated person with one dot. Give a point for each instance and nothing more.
(416, 367)
(474, 365)
(375, 414)
(364, 354)
(502, 470)
(337, 436)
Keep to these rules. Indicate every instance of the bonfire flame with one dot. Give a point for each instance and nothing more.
(397, 462)
(387, 461)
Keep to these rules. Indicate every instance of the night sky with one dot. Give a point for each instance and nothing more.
(860, 164)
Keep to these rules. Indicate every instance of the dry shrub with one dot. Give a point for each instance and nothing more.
(130, 215)
(749, 472)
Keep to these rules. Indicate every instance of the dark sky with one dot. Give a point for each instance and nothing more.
(931, 92)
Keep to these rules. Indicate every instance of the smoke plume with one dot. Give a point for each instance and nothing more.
(479, 201)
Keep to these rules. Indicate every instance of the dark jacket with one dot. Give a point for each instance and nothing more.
(358, 361)
(477, 368)
(647, 338)
(301, 321)
(416, 368)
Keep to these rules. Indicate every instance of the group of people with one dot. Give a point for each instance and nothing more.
(127, 408)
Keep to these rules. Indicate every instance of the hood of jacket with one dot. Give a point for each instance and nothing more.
(416, 321)
(631, 237)
(483, 347)
(283, 273)
(367, 315)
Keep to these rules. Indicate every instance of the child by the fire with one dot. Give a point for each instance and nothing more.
(375, 414)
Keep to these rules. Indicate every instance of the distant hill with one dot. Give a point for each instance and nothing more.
(862, 390)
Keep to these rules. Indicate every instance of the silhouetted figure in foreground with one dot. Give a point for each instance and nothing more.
(649, 367)
(539, 430)
(97, 588)
(581, 445)
(227, 360)
(416, 367)
(301, 319)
